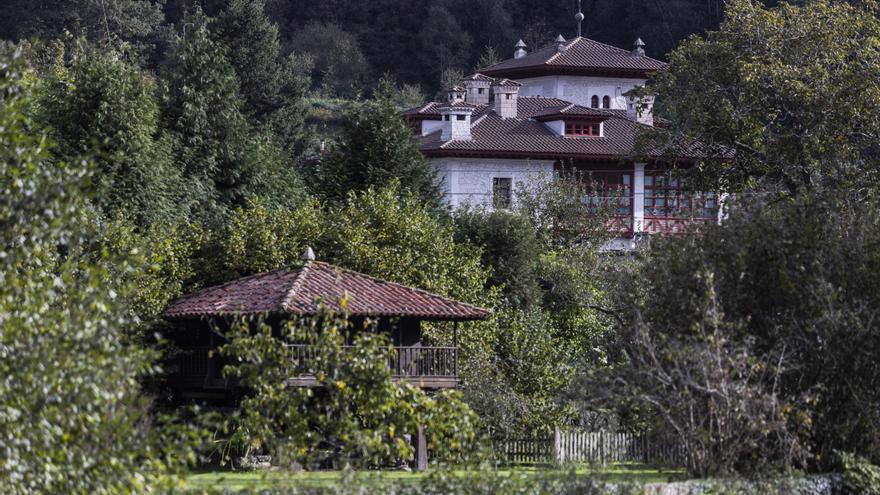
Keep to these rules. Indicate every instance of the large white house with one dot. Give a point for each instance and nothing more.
(572, 105)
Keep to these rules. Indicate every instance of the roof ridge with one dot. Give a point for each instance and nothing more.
(402, 286)
(297, 284)
(616, 48)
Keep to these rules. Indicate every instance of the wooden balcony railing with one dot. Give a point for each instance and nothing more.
(405, 362)
(429, 366)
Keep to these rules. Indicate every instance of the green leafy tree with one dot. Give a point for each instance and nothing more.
(376, 147)
(224, 160)
(273, 87)
(358, 415)
(71, 416)
(761, 96)
(339, 67)
(510, 247)
(100, 106)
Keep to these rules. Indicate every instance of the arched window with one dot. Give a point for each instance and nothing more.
(595, 102)
(606, 101)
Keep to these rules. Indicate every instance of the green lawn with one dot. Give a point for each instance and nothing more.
(259, 480)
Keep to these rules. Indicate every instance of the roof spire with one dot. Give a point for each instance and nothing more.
(579, 17)
(639, 48)
(309, 255)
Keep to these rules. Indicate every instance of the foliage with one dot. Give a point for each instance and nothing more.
(375, 148)
(339, 67)
(531, 366)
(223, 158)
(759, 95)
(859, 475)
(103, 107)
(510, 248)
(71, 416)
(357, 416)
(273, 87)
(786, 317)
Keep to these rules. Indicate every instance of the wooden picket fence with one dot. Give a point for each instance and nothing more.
(590, 447)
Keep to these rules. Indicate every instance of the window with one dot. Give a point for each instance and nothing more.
(581, 129)
(446, 117)
(459, 117)
(606, 101)
(507, 96)
(608, 190)
(665, 198)
(501, 192)
(595, 101)
(480, 90)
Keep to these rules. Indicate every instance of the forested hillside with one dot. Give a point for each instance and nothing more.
(352, 43)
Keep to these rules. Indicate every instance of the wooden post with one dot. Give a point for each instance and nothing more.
(557, 445)
(421, 450)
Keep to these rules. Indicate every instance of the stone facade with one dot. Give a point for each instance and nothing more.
(580, 89)
(469, 181)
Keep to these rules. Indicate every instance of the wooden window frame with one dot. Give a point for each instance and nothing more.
(583, 129)
(666, 198)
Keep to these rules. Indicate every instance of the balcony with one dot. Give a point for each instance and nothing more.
(425, 367)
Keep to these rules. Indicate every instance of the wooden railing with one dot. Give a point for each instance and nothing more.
(193, 362)
(404, 362)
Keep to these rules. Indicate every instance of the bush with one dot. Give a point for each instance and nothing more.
(859, 476)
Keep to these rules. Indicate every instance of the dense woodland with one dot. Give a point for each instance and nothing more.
(151, 148)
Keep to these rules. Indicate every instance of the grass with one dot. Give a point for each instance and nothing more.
(266, 480)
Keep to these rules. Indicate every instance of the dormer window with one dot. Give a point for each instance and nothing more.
(582, 129)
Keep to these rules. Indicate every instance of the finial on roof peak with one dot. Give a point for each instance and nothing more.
(560, 43)
(309, 255)
(579, 17)
(520, 51)
(639, 47)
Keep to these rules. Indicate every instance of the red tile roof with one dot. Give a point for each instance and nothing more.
(302, 291)
(581, 56)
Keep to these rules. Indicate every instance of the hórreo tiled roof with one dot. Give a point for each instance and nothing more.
(580, 56)
(303, 291)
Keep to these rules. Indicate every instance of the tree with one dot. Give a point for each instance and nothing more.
(758, 95)
(222, 157)
(510, 248)
(361, 417)
(102, 107)
(72, 418)
(781, 299)
(376, 148)
(272, 87)
(339, 67)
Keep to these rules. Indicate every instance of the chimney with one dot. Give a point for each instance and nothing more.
(455, 94)
(506, 92)
(520, 51)
(639, 48)
(560, 44)
(640, 105)
(477, 86)
(456, 121)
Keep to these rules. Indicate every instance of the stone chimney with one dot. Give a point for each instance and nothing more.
(456, 121)
(520, 51)
(560, 44)
(477, 86)
(455, 94)
(640, 105)
(505, 92)
(639, 48)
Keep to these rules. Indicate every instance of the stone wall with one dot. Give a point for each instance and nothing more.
(580, 89)
(468, 181)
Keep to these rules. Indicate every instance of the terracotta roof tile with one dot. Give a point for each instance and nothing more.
(300, 292)
(582, 56)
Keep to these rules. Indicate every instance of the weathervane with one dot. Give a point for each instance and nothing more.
(579, 17)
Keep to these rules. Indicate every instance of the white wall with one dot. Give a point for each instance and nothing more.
(580, 89)
(468, 181)
(429, 126)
